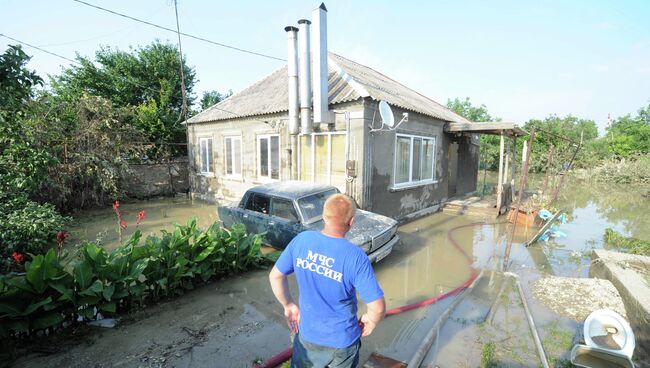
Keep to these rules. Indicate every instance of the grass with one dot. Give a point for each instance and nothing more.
(488, 356)
(632, 245)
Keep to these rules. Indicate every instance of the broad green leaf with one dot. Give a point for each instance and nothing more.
(108, 307)
(83, 274)
(34, 306)
(49, 320)
(35, 274)
(108, 292)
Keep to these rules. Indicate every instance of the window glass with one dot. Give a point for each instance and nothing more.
(228, 156)
(237, 155)
(321, 168)
(337, 178)
(283, 208)
(275, 157)
(205, 155)
(258, 203)
(264, 157)
(312, 206)
(305, 158)
(417, 154)
(402, 161)
(427, 160)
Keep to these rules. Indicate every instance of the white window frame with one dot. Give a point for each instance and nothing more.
(411, 182)
(209, 155)
(329, 153)
(234, 175)
(259, 158)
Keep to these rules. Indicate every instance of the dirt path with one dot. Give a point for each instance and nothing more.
(223, 324)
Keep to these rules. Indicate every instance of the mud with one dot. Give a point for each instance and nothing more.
(235, 322)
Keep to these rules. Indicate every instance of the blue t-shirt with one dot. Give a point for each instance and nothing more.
(329, 272)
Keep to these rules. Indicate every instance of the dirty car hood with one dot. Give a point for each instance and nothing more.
(367, 225)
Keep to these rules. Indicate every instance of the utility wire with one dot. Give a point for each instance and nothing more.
(180, 55)
(235, 115)
(40, 49)
(182, 33)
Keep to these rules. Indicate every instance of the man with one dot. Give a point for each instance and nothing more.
(329, 270)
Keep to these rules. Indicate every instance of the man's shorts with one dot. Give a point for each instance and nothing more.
(306, 354)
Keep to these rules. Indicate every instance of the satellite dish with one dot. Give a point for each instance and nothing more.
(386, 113)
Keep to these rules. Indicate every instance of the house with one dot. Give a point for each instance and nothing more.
(275, 130)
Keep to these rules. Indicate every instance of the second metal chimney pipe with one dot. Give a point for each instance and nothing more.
(305, 76)
(292, 70)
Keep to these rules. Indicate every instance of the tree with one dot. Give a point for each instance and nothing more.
(630, 135)
(17, 85)
(146, 78)
(564, 134)
(213, 97)
(489, 143)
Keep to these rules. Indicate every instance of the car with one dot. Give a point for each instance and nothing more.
(284, 209)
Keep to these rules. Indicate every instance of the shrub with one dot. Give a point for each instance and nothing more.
(26, 227)
(49, 294)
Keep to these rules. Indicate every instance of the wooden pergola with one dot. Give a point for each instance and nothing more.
(506, 159)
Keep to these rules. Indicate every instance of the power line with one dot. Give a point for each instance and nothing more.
(184, 34)
(180, 55)
(40, 49)
(122, 78)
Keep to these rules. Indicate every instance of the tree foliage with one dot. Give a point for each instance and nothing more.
(213, 97)
(630, 135)
(146, 79)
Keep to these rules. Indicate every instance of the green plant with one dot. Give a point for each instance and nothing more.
(50, 292)
(632, 245)
(488, 355)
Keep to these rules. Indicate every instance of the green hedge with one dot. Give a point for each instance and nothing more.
(52, 292)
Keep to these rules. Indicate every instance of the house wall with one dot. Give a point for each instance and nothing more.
(383, 196)
(218, 187)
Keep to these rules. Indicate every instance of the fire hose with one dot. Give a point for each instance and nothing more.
(286, 354)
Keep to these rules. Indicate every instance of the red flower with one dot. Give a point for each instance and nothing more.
(140, 217)
(116, 205)
(123, 224)
(18, 258)
(62, 236)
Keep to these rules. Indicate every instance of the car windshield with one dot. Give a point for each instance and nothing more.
(312, 206)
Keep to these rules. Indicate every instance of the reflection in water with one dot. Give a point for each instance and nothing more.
(426, 263)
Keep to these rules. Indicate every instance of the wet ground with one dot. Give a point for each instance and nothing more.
(234, 322)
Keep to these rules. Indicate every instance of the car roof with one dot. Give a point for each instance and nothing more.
(291, 189)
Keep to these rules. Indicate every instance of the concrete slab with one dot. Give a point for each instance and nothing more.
(630, 273)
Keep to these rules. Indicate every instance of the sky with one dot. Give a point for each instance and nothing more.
(522, 59)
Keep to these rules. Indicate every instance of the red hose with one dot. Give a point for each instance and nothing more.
(285, 355)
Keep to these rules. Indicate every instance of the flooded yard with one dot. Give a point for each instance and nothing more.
(235, 322)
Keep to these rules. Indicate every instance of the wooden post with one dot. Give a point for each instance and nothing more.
(522, 186)
(500, 179)
(549, 166)
(514, 162)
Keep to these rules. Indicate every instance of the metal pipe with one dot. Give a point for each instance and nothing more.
(304, 76)
(531, 322)
(428, 340)
(292, 71)
(319, 41)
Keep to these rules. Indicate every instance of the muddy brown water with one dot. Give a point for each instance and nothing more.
(233, 322)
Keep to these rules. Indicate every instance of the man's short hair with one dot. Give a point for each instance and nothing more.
(339, 209)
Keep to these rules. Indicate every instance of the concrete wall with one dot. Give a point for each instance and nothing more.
(151, 180)
(218, 187)
(384, 197)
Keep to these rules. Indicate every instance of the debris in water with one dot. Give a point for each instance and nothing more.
(577, 298)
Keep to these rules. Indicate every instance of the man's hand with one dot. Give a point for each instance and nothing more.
(367, 325)
(292, 313)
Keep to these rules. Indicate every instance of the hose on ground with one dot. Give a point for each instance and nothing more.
(286, 354)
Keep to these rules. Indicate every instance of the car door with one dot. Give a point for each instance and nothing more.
(285, 223)
(256, 214)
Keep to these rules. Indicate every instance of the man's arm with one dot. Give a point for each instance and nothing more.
(373, 315)
(280, 287)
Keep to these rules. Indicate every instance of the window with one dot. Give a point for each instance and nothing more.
(283, 208)
(312, 206)
(233, 156)
(268, 153)
(205, 155)
(414, 159)
(322, 158)
(258, 203)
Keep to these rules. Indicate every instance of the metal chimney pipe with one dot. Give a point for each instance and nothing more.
(305, 76)
(292, 69)
(319, 40)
